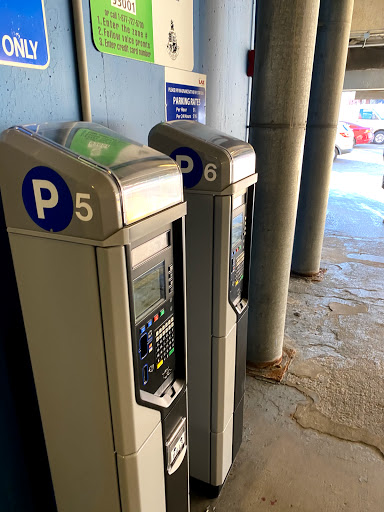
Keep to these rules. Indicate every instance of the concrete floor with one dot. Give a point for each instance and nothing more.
(315, 442)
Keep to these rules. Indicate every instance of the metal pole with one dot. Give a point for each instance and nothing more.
(327, 84)
(78, 21)
(285, 44)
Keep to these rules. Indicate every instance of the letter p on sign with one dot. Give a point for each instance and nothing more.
(41, 203)
(47, 199)
(190, 164)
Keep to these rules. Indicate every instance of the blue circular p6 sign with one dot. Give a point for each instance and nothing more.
(47, 199)
(190, 164)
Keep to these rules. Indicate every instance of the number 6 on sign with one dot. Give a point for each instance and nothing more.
(210, 173)
(81, 204)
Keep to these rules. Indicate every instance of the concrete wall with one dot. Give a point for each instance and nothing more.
(368, 15)
(365, 69)
(127, 96)
(365, 58)
(367, 79)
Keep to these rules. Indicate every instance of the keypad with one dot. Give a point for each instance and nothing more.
(170, 278)
(238, 270)
(165, 341)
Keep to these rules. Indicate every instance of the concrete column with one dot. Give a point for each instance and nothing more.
(327, 83)
(285, 43)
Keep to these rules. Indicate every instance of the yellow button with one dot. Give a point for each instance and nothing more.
(159, 364)
(237, 282)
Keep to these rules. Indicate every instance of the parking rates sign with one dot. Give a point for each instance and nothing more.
(23, 34)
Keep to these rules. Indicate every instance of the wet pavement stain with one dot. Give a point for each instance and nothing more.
(339, 308)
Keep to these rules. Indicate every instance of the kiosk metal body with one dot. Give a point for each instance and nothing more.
(219, 176)
(96, 227)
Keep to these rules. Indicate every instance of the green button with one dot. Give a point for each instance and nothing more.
(241, 277)
(162, 312)
(171, 351)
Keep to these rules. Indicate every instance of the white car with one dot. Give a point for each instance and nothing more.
(372, 118)
(344, 139)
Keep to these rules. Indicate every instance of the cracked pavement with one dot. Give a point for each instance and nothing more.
(315, 442)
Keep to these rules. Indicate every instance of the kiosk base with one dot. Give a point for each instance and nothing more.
(205, 489)
(237, 428)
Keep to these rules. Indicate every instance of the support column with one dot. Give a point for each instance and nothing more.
(285, 43)
(327, 83)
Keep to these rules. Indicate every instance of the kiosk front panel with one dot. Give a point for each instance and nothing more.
(96, 226)
(219, 176)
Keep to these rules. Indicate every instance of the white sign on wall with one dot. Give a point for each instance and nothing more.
(173, 33)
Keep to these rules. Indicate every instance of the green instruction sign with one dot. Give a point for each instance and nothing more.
(123, 27)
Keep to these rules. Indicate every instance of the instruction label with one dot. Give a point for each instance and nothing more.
(123, 28)
(23, 34)
(157, 31)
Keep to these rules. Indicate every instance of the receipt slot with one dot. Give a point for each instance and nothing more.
(219, 176)
(96, 227)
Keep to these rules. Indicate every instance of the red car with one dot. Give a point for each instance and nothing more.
(362, 134)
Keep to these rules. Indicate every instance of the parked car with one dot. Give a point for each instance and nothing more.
(361, 134)
(344, 139)
(371, 118)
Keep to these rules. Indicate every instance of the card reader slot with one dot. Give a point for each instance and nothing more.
(145, 374)
(143, 345)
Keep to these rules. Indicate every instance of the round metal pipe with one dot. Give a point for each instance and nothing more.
(285, 43)
(326, 88)
(78, 21)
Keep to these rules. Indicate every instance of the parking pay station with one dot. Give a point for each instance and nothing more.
(219, 176)
(96, 227)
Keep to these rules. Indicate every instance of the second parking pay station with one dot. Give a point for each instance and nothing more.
(96, 227)
(219, 176)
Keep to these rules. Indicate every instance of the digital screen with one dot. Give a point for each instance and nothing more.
(148, 249)
(238, 201)
(148, 289)
(237, 230)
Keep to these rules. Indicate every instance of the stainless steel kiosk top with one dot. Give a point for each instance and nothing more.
(125, 181)
(210, 160)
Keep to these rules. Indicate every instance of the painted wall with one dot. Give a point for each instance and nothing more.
(29, 95)
(226, 35)
(127, 96)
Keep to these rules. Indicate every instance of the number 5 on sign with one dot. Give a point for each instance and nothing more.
(82, 205)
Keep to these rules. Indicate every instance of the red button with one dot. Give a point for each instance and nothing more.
(155, 318)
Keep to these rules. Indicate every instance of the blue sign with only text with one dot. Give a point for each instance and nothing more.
(185, 102)
(23, 34)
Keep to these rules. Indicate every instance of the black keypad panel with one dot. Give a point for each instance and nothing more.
(239, 269)
(164, 341)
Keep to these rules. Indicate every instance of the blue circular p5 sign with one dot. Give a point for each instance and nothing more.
(47, 199)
